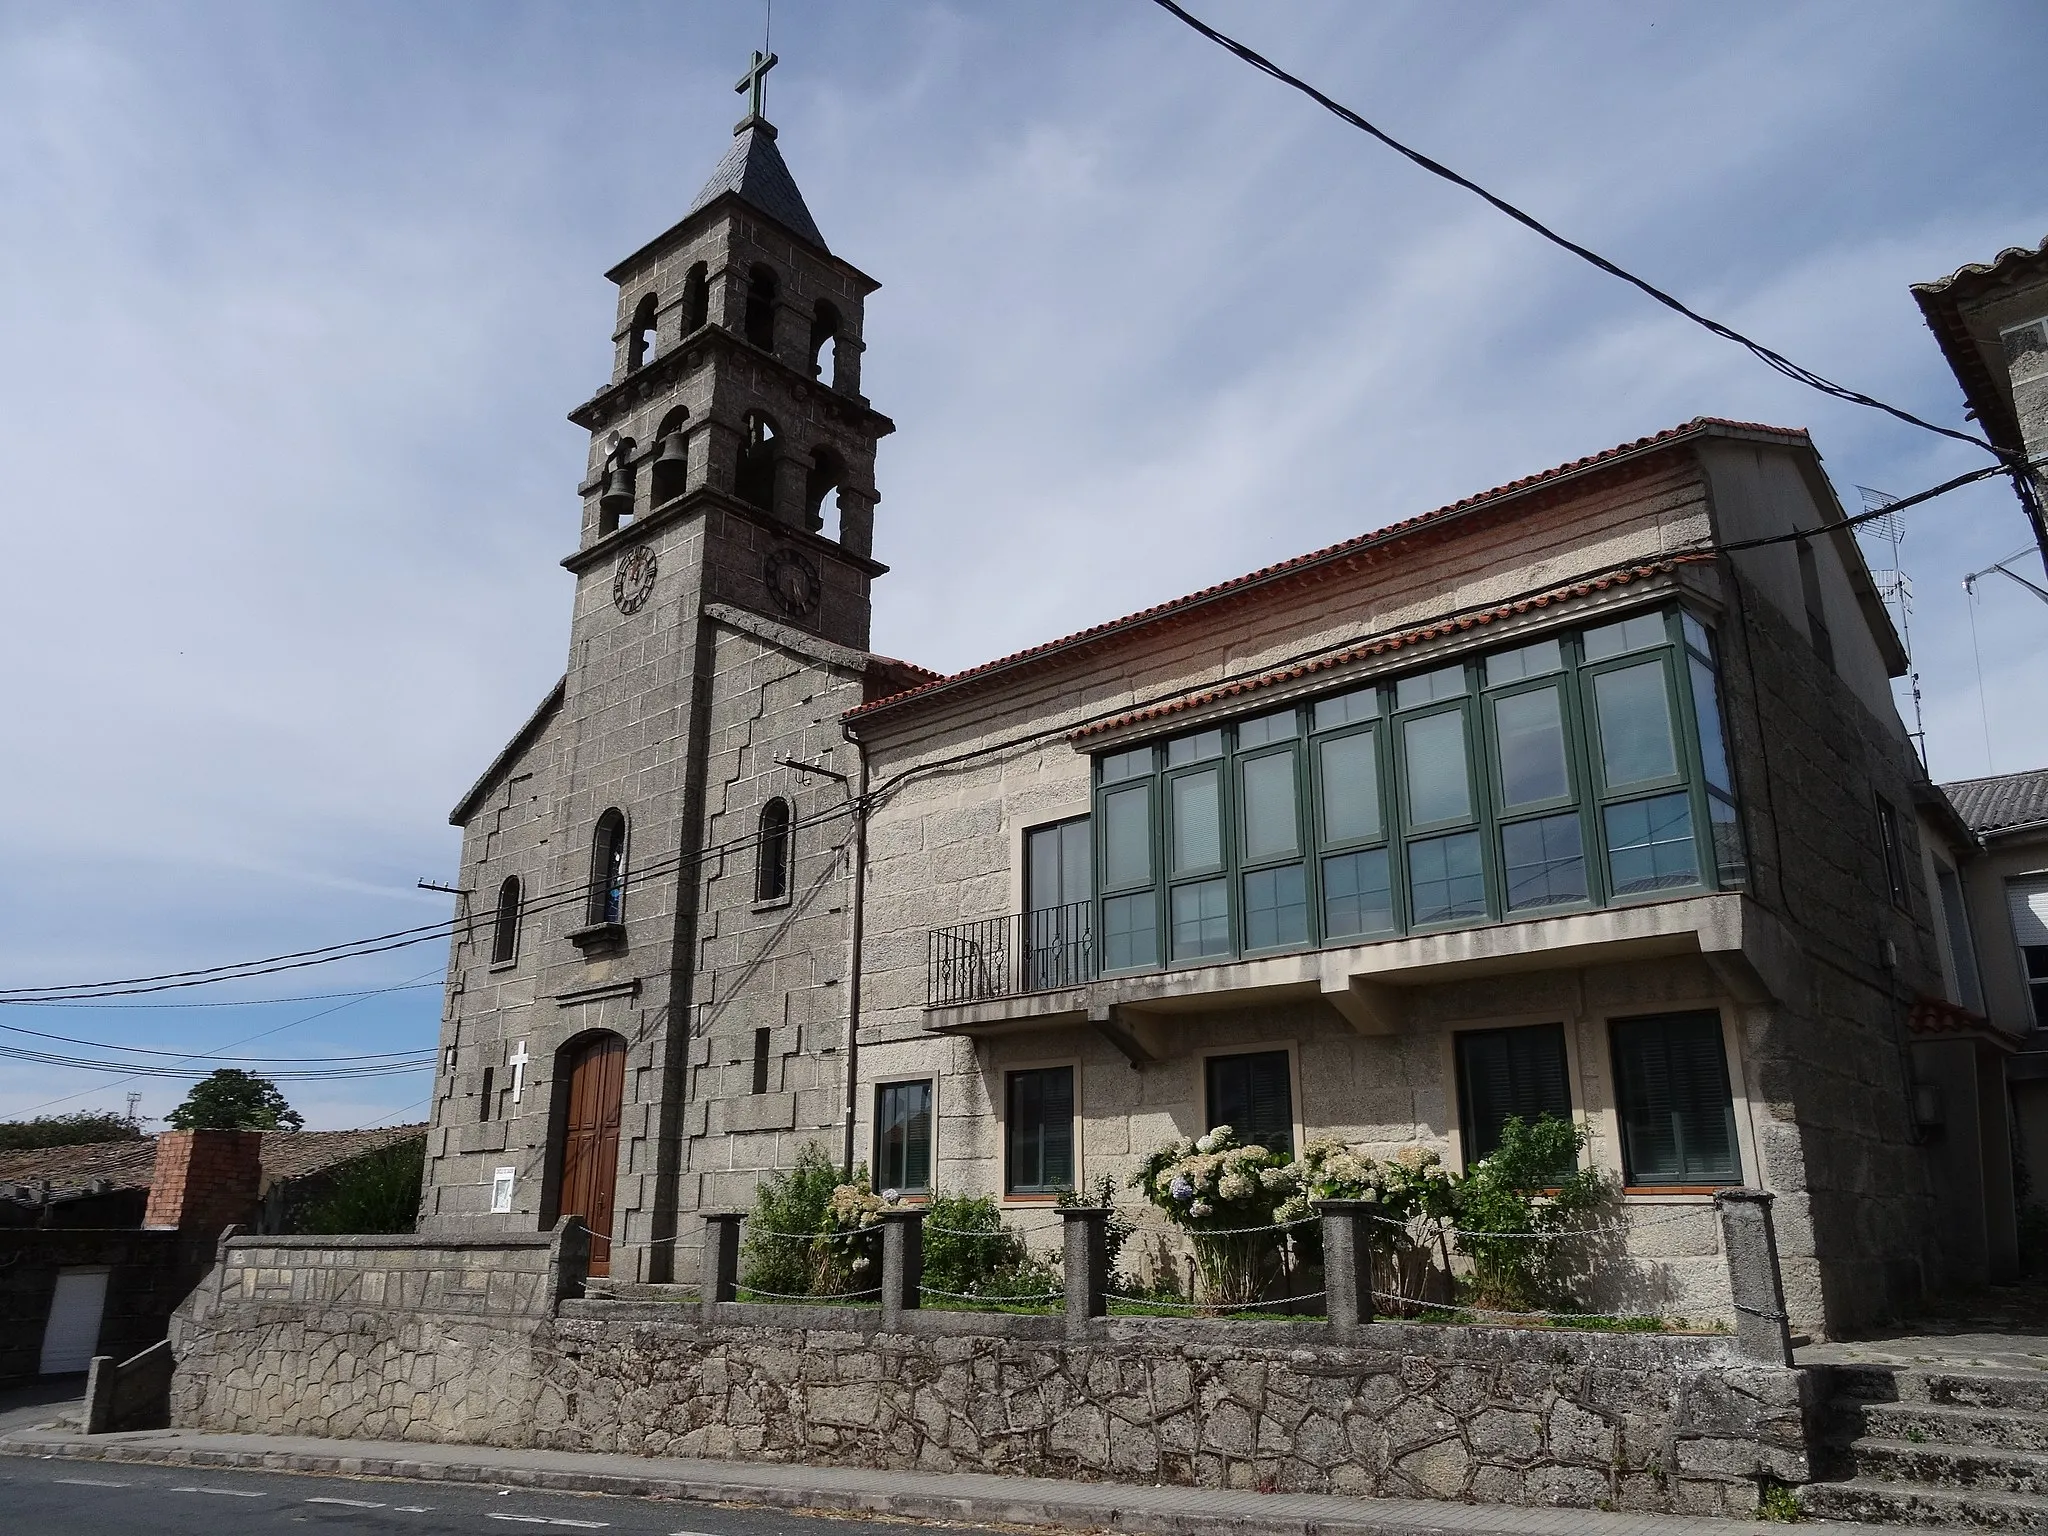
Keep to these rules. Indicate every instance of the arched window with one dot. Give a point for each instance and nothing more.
(608, 869)
(762, 287)
(505, 928)
(828, 473)
(824, 340)
(696, 299)
(671, 458)
(640, 341)
(771, 852)
(755, 481)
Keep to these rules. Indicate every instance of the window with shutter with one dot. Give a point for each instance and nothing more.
(1254, 1096)
(1503, 1072)
(903, 1137)
(2027, 903)
(1671, 1089)
(1039, 1131)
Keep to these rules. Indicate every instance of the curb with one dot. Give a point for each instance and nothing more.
(795, 1496)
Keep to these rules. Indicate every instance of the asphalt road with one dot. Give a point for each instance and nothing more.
(85, 1498)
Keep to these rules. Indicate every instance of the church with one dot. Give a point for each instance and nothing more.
(1584, 794)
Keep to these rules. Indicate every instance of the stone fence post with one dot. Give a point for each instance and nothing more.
(1762, 1330)
(1347, 1263)
(902, 1265)
(568, 1260)
(1087, 1264)
(718, 1271)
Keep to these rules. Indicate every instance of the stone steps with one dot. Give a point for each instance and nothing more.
(1964, 1450)
(2007, 1429)
(1880, 1503)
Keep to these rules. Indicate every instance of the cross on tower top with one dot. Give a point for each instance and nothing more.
(755, 81)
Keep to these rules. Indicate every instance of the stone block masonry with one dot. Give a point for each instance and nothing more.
(469, 1343)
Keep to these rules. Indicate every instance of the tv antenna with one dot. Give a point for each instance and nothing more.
(1887, 531)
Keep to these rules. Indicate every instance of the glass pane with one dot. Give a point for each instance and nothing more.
(1428, 687)
(1197, 748)
(1197, 822)
(1347, 708)
(1130, 931)
(1127, 840)
(1635, 725)
(1638, 633)
(1697, 635)
(1201, 920)
(1529, 731)
(1279, 726)
(1444, 878)
(1275, 907)
(1351, 788)
(1126, 765)
(1358, 896)
(1545, 861)
(1649, 845)
(904, 1132)
(1042, 888)
(1525, 661)
(1267, 805)
(1731, 864)
(1074, 862)
(1713, 744)
(1438, 789)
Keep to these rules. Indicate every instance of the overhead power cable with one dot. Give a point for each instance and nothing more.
(1775, 359)
(166, 1069)
(146, 1050)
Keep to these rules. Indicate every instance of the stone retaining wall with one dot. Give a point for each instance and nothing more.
(1677, 1423)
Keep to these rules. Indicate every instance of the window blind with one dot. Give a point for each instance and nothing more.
(1503, 1072)
(2027, 900)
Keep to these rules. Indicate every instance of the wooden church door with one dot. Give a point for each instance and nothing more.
(590, 1141)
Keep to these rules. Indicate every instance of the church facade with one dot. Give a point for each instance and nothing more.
(1585, 794)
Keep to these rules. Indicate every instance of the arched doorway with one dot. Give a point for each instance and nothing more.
(594, 1070)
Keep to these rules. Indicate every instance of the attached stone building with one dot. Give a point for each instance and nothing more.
(1574, 795)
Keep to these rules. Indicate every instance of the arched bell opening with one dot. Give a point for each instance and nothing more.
(640, 336)
(671, 467)
(615, 501)
(760, 445)
(763, 288)
(828, 473)
(825, 343)
(696, 300)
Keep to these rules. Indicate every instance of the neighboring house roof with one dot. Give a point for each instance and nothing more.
(1942, 301)
(286, 1155)
(1661, 442)
(2007, 802)
(1938, 1016)
(753, 170)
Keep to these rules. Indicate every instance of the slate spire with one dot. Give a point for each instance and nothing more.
(753, 167)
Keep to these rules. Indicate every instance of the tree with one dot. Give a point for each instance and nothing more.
(67, 1130)
(378, 1192)
(234, 1100)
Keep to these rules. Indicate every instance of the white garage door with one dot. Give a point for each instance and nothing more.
(74, 1327)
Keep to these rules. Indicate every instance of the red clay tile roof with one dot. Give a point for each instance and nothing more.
(1941, 305)
(1699, 427)
(1620, 576)
(1938, 1016)
(287, 1155)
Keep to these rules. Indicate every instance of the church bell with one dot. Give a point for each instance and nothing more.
(617, 501)
(671, 467)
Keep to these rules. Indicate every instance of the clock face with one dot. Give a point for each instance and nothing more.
(793, 583)
(634, 583)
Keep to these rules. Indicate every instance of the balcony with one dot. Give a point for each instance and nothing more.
(996, 957)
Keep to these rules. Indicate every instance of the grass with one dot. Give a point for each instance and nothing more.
(1778, 1504)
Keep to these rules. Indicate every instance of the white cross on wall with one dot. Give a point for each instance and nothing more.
(518, 1059)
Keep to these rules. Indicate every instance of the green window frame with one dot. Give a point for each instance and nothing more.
(1673, 1101)
(1582, 767)
(1519, 1070)
(1253, 1094)
(903, 1136)
(1038, 1131)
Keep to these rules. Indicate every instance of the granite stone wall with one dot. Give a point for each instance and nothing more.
(412, 1340)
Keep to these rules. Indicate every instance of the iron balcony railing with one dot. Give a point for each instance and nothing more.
(1004, 956)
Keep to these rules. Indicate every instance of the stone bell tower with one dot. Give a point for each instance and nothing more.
(735, 400)
(650, 1005)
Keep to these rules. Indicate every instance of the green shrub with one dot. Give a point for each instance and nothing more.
(88, 1125)
(1116, 1231)
(811, 1203)
(992, 1262)
(378, 1192)
(1523, 1186)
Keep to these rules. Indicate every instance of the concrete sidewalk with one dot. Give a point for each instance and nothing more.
(953, 1498)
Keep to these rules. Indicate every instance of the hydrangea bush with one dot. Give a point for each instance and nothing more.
(1230, 1197)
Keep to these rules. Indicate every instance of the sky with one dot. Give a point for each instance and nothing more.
(297, 298)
